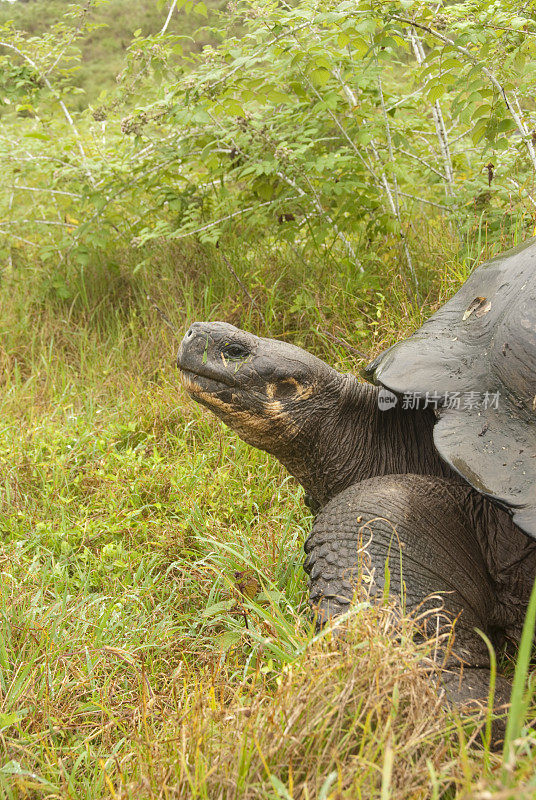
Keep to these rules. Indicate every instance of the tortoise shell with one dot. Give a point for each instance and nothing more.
(476, 359)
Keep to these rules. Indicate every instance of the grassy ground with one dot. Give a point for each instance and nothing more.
(154, 639)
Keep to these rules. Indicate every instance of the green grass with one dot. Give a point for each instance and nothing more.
(132, 665)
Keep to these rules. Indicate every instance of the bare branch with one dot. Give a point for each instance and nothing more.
(168, 18)
(409, 96)
(46, 189)
(389, 142)
(422, 161)
(238, 213)
(437, 115)
(163, 316)
(37, 222)
(427, 202)
(523, 192)
(18, 238)
(394, 210)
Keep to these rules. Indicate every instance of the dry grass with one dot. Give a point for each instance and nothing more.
(351, 717)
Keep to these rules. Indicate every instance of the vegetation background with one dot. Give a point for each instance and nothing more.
(328, 172)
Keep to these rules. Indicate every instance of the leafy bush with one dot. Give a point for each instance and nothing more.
(332, 126)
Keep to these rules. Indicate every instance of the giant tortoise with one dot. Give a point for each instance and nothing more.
(432, 469)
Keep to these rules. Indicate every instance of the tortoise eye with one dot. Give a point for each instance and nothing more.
(235, 351)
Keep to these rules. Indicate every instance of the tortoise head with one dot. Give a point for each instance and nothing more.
(270, 392)
(326, 428)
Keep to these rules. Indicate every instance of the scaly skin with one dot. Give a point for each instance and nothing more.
(357, 462)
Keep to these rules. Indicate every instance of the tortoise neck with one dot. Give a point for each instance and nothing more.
(351, 439)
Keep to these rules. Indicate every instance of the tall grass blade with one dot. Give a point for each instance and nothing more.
(518, 701)
(491, 697)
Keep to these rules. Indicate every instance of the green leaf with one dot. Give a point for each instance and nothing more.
(232, 107)
(6, 720)
(483, 111)
(229, 639)
(201, 9)
(479, 130)
(37, 135)
(506, 125)
(367, 25)
(360, 47)
(275, 96)
(450, 63)
(280, 788)
(519, 22)
(437, 91)
(319, 77)
(322, 62)
(217, 608)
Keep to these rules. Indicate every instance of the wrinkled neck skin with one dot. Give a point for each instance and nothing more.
(348, 439)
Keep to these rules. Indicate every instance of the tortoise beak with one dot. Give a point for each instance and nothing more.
(195, 357)
(194, 348)
(187, 347)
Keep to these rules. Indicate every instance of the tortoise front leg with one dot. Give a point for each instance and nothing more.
(422, 528)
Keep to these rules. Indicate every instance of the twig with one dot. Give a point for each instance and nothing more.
(408, 96)
(166, 23)
(392, 196)
(461, 135)
(37, 222)
(242, 285)
(75, 32)
(401, 234)
(437, 114)
(18, 238)
(510, 30)
(164, 317)
(523, 191)
(389, 141)
(427, 202)
(423, 162)
(228, 216)
(345, 344)
(43, 189)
